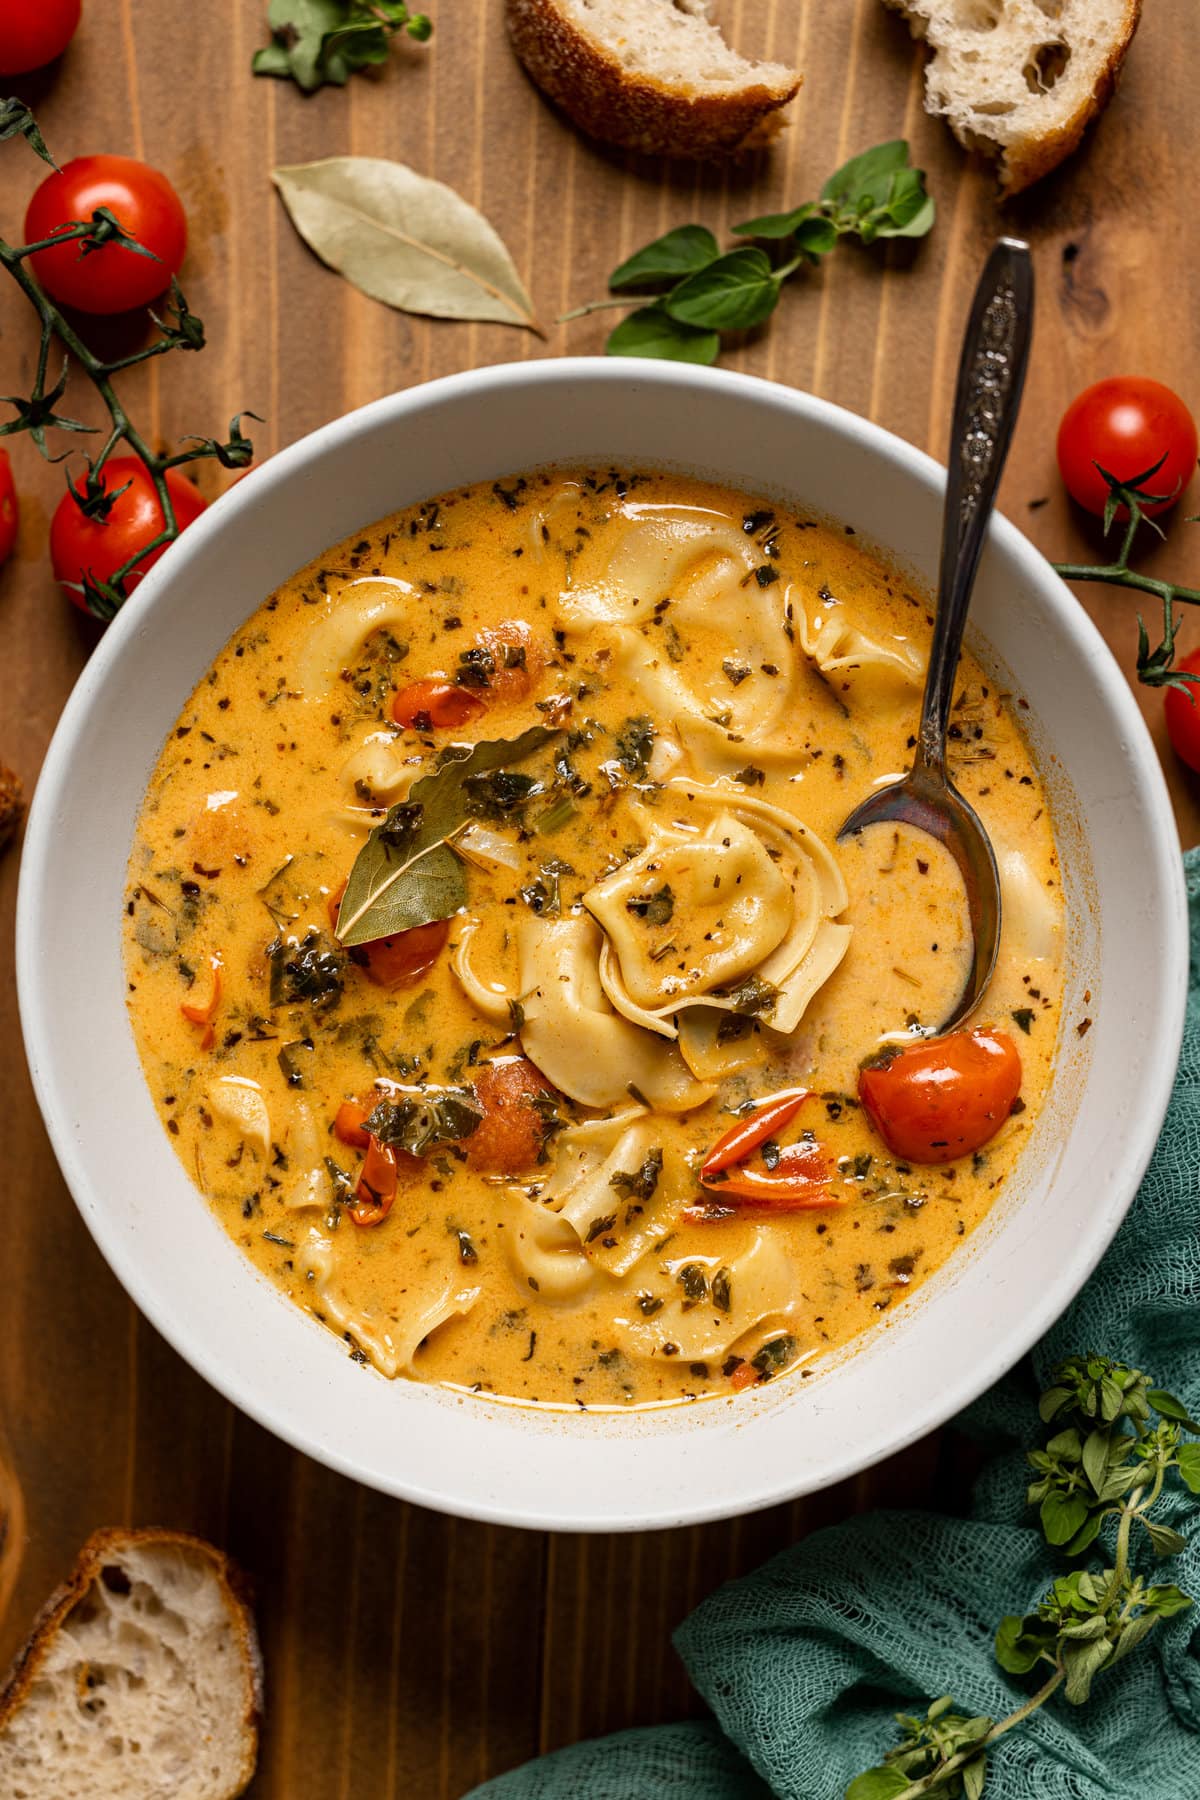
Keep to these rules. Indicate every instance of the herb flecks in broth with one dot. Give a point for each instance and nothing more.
(488, 882)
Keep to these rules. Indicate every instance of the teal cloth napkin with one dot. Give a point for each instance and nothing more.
(804, 1662)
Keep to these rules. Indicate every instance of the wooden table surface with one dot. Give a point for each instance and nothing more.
(409, 1654)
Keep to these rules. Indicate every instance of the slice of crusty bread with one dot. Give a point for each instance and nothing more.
(1022, 79)
(650, 75)
(142, 1679)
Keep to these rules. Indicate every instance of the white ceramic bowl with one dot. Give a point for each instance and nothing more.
(482, 1458)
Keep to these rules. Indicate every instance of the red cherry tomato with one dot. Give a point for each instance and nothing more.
(349, 1125)
(80, 546)
(398, 961)
(1125, 424)
(510, 1136)
(943, 1099)
(112, 279)
(34, 32)
(1182, 708)
(10, 511)
(435, 705)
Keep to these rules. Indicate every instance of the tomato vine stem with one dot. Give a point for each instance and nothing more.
(179, 329)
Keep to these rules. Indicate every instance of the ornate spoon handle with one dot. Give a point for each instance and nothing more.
(991, 375)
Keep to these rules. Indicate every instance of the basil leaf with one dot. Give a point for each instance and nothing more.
(406, 874)
(865, 181)
(1168, 1407)
(735, 293)
(406, 240)
(1189, 1466)
(882, 1783)
(681, 252)
(651, 331)
(1062, 1516)
(776, 225)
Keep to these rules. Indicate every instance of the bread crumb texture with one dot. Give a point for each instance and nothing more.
(650, 75)
(1021, 80)
(142, 1679)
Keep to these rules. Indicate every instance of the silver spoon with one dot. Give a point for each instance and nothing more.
(991, 375)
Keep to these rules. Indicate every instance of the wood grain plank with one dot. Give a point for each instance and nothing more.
(409, 1655)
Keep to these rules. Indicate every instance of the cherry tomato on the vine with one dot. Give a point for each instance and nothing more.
(81, 546)
(1126, 424)
(943, 1099)
(1182, 708)
(10, 512)
(34, 32)
(112, 279)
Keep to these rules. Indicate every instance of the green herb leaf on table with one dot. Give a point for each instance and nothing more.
(681, 252)
(735, 293)
(404, 239)
(651, 331)
(318, 41)
(687, 292)
(406, 874)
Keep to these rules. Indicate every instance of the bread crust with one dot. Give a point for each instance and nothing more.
(1031, 158)
(1027, 162)
(636, 111)
(106, 1547)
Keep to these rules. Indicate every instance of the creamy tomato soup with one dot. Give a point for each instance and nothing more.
(499, 979)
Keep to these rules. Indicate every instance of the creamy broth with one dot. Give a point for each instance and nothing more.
(651, 928)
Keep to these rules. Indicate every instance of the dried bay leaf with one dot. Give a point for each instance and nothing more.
(406, 874)
(406, 240)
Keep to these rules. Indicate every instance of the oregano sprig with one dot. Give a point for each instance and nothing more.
(1115, 1443)
(319, 41)
(687, 291)
(178, 329)
(1154, 667)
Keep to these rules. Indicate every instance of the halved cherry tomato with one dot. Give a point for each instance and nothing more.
(753, 1129)
(34, 32)
(510, 1136)
(204, 1012)
(1126, 423)
(398, 961)
(435, 705)
(943, 1099)
(797, 1182)
(113, 278)
(376, 1191)
(1182, 709)
(10, 512)
(350, 1124)
(81, 546)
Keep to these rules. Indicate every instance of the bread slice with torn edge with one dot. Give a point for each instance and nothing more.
(649, 75)
(1021, 80)
(142, 1678)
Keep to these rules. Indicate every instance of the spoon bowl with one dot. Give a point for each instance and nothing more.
(991, 375)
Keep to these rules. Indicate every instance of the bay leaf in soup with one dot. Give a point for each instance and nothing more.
(404, 239)
(406, 874)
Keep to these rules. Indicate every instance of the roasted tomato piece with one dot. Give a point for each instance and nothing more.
(435, 705)
(941, 1100)
(513, 1095)
(398, 961)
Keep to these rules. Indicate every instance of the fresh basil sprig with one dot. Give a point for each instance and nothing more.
(687, 291)
(319, 41)
(1109, 1459)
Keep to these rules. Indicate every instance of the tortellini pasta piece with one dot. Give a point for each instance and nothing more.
(390, 1336)
(485, 991)
(572, 1032)
(692, 915)
(544, 1252)
(356, 609)
(622, 1204)
(748, 1293)
(1031, 921)
(837, 646)
(676, 567)
(242, 1104)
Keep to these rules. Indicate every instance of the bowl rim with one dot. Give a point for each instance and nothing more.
(957, 1387)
